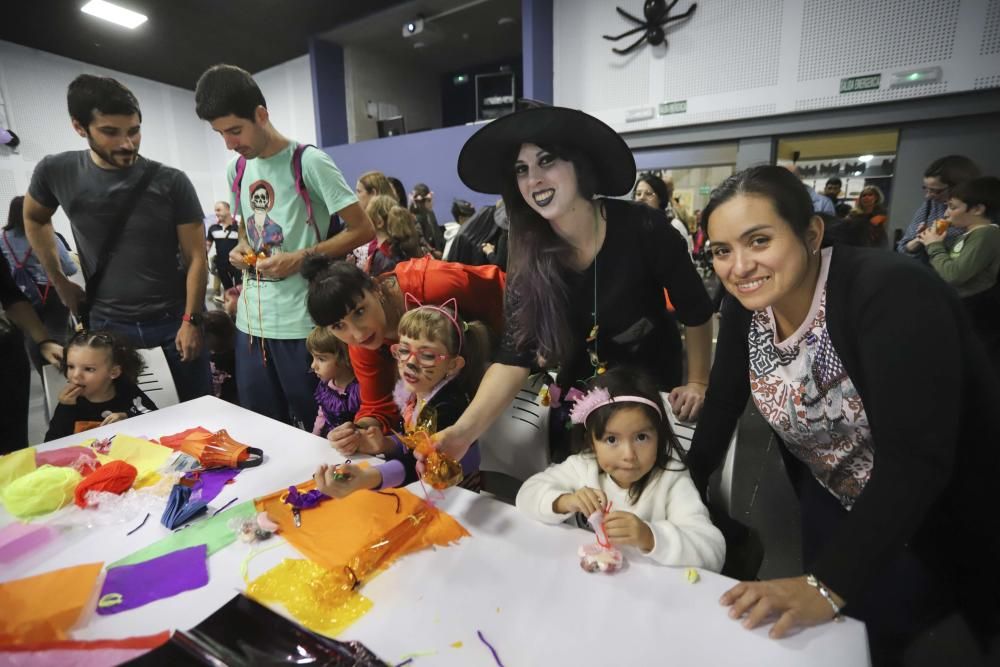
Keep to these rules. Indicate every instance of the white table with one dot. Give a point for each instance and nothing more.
(516, 580)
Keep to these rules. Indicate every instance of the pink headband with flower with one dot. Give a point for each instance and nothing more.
(452, 316)
(598, 398)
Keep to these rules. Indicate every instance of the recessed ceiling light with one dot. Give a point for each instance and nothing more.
(419, 45)
(114, 13)
(505, 20)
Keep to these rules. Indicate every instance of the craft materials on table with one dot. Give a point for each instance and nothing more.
(41, 491)
(214, 449)
(94, 653)
(20, 539)
(212, 531)
(16, 464)
(44, 607)
(113, 477)
(326, 600)
(244, 632)
(129, 586)
(600, 556)
(359, 518)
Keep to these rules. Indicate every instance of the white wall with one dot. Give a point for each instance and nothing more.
(288, 90)
(370, 76)
(33, 87)
(748, 58)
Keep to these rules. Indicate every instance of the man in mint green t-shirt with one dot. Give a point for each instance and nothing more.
(272, 362)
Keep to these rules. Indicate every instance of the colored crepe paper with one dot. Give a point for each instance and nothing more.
(44, 607)
(96, 653)
(332, 533)
(130, 586)
(214, 532)
(146, 456)
(114, 477)
(18, 539)
(213, 481)
(16, 464)
(41, 491)
(66, 456)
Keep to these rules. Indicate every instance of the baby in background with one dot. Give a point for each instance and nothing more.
(440, 360)
(338, 395)
(101, 372)
(631, 459)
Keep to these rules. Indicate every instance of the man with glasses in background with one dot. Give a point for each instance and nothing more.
(939, 178)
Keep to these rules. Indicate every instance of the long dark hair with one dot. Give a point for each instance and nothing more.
(538, 276)
(336, 287)
(781, 187)
(623, 381)
(15, 215)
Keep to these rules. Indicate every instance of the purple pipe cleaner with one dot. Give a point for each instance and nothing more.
(304, 501)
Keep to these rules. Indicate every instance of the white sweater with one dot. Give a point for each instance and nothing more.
(670, 505)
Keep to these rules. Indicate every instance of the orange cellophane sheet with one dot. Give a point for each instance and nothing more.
(44, 607)
(336, 530)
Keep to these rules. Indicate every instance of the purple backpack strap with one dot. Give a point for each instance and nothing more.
(241, 166)
(300, 187)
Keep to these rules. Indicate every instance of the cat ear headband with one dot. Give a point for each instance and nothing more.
(449, 309)
(598, 398)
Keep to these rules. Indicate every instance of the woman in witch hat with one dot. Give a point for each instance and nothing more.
(585, 274)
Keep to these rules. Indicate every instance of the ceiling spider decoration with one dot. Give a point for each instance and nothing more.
(657, 13)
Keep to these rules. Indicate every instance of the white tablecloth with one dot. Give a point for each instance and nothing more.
(516, 580)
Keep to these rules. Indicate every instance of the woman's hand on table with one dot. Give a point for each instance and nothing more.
(339, 481)
(793, 602)
(345, 439)
(687, 400)
(586, 501)
(626, 529)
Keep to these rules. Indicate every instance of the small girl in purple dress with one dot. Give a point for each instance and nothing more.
(337, 393)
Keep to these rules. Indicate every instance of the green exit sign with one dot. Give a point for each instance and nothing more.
(667, 108)
(858, 83)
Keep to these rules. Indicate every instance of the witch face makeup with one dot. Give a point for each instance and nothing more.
(547, 183)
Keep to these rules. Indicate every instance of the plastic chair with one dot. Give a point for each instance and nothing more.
(516, 446)
(155, 380)
(721, 488)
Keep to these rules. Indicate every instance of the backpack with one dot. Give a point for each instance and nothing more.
(300, 189)
(23, 278)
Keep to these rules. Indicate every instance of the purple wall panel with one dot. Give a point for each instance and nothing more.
(429, 157)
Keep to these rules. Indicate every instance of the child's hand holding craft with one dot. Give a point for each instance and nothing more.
(626, 529)
(340, 481)
(586, 501)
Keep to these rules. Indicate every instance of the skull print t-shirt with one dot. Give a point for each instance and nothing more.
(275, 217)
(803, 391)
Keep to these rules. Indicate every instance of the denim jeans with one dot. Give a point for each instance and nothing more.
(281, 387)
(191, 378)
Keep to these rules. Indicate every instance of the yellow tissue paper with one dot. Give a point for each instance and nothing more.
(16, 464)
(322, 600)
(146, 456)
(41, 491)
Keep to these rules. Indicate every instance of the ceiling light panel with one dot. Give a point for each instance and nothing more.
(114, 13)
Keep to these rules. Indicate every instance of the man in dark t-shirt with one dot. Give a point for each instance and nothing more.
(225, 234)
(145, 294)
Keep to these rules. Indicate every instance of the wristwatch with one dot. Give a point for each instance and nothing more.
(193, 318)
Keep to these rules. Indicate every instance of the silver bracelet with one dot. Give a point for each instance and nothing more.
(827, 595)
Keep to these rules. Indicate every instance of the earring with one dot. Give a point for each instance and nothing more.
(816, 251)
